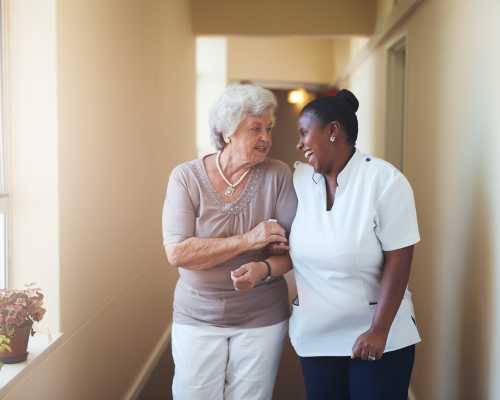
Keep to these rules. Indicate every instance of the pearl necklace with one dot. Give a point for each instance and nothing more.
(231, 186)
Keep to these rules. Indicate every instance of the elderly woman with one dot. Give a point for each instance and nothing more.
(225, 224)
(351, 243)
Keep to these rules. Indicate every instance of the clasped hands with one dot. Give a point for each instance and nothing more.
(269, 235)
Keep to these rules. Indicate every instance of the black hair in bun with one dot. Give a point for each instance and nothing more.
(342, 108)
(349, 98)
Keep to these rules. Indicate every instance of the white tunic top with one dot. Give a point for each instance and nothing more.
(338, 255)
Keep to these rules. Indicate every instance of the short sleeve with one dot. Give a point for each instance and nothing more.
(396, 219)
(286, 204)
(179, 216)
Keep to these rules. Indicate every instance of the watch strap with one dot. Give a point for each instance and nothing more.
(269, 271)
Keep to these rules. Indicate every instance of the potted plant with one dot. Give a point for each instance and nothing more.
(18, 310)
(4, 346)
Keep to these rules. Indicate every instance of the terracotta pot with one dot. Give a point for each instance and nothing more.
(18, 344)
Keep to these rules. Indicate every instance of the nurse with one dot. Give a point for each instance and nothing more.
(353, 323)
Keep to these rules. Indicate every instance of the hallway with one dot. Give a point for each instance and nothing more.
(101, 100)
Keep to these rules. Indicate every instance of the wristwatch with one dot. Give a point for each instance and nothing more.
(269, 271)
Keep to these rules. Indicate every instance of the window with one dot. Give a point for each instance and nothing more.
(4, 195)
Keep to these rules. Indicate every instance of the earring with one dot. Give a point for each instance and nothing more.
(226, 139)
(333, 138)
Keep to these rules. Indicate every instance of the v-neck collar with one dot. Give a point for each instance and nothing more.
(342, 179)
(347, 171)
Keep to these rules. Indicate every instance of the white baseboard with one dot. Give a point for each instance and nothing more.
(149, 366)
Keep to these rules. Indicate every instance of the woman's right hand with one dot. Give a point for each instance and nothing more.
(265, 233)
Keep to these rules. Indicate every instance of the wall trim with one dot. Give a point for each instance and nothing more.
(383, 29)
(149, 366)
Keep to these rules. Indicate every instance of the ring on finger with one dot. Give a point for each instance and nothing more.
(371, 357)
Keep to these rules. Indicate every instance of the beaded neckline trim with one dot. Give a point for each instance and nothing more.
(241, 203)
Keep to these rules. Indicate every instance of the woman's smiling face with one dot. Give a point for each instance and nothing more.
(253, 139)
(314, 142)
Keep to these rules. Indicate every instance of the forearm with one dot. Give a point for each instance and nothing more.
(280, 265)
(205, 253)
(396, 272)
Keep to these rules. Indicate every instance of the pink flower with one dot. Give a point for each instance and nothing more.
(19, 306)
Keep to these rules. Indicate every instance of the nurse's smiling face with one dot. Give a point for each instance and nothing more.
(314, 142)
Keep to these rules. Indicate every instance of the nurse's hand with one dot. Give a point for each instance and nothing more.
(277, 249)
(370, 345)
(248, 275)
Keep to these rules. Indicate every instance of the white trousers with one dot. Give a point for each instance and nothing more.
(226, 363)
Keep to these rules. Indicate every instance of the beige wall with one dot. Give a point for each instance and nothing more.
(451, 159)
(345, 51)
(275, 17)
(384, 9)
(341, 55)
(126, 84)
(285, 59)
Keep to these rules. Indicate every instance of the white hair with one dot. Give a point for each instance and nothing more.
(235, 103)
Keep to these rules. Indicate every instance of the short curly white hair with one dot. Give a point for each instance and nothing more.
(236, 102)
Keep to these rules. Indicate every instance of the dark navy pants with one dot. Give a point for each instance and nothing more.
(342, 378)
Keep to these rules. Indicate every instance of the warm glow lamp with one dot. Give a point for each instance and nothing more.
(297, 96)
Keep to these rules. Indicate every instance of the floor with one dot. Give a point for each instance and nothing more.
(289, 384)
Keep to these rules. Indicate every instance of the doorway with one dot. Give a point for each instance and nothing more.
(396, 104)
